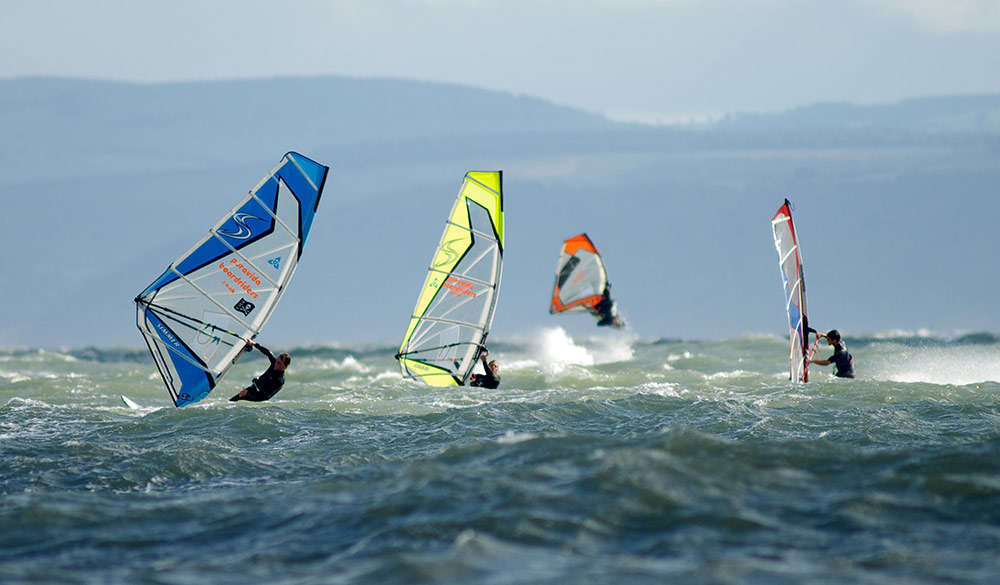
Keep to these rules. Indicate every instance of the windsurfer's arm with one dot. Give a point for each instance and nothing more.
(266, 352)
(820, 362)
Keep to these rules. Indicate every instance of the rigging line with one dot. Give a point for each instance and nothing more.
(188, 317)
(448, 321)
(418, 337)
(426, 329)
(437, 347)
(421, 333)
(160, 343)
(153, 339)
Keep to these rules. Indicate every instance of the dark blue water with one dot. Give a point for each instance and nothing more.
(609, 460)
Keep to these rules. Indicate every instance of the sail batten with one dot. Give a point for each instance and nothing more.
(195, 316)
(454, 311)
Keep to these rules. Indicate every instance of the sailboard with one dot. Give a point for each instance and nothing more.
(130, 403)
(581, 279)
(790, 263)
(454, 311)
(196, 316)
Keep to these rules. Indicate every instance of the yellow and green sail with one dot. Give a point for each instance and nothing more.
(455, 308)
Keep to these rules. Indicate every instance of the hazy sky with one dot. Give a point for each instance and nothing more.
(656, 60)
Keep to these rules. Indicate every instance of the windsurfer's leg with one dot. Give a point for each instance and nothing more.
(241, 396)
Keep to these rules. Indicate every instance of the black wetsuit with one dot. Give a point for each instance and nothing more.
(605, 309)
(266, 385)
(487, 380)
(842, 360)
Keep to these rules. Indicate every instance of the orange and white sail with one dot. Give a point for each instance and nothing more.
(580, 277)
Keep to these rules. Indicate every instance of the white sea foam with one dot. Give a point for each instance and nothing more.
(513, 437)
(956, 365)
(14, 377)
(615, 348)
(899, 333)
(557, 350)
(730, 374)
(349, 363)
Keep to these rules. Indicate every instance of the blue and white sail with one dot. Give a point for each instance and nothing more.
(197, 315)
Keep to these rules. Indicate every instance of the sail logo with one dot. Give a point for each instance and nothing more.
(459, 287)
(244, 306)
(276, 262)
(167, 334)
(450, 255)
(233, 270)
(243, 230)
(417, 366)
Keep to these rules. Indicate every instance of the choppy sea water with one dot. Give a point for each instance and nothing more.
(609, 459)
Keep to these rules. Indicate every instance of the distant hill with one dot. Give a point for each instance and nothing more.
(90, 127)
(105, 183)
(57, 127)
(945, 114)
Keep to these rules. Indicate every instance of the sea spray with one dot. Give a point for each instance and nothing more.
(557, 351)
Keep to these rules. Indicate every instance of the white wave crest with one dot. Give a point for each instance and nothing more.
(940, 365)
(556, 350)
(349, 363)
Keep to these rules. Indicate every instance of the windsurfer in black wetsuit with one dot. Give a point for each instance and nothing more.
(841, 358)
(491, 379)
(267, 384)
(605, 311)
